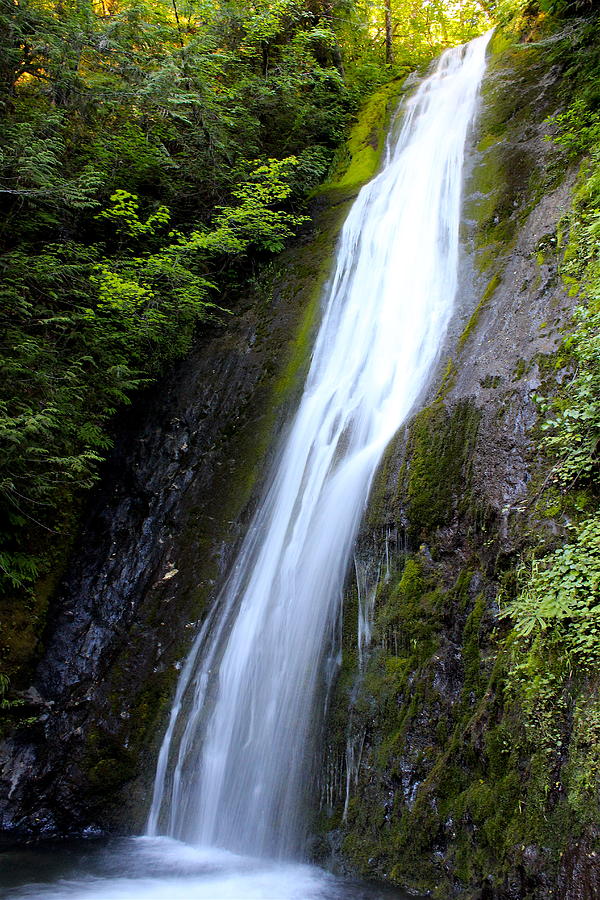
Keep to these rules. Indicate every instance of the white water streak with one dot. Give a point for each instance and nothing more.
(366, 590)
(241, 758)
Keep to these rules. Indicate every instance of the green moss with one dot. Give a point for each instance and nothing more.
(476, 315)
(109, 765)
(483, 793)
(447, 380)
(299, 352)
(438, 455)
(521, 368)
(582, 773)
(361, 155)
(491, 381)
(473, 674)
(509, 179)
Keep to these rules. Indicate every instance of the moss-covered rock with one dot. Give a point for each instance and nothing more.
(473, 781)
(359, 158)
(435, 480)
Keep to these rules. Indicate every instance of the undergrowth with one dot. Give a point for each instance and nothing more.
(554, 646)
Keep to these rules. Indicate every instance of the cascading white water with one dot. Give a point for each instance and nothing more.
(235, 760)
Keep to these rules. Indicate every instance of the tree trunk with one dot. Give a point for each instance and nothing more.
(389, 47)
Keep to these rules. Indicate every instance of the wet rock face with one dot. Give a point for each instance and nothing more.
(579, 877)
(431, 800)
(144, 561)
(160, 530)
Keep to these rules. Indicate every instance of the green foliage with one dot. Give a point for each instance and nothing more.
(553, 650)
(105, 324)
(563, 8)
(4, 685)
(561, 595)
(125, 157)
(152, 156)
(9, 705)
(578, 127)
(559, 599)
(418, 31)
(124, 215)
(252, 221)
(520, 14)
(572, 426)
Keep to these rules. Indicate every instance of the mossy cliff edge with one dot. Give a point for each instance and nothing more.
(457, 763)
(103, 654)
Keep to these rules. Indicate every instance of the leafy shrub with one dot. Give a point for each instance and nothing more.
(562, 593)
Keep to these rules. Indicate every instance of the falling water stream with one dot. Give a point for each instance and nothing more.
(235, 767)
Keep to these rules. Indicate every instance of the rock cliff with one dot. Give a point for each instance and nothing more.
(428, 777)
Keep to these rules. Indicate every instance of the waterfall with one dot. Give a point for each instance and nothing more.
(235, 763)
